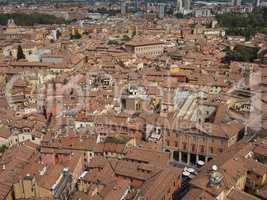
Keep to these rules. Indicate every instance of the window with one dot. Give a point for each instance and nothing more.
(168, 142)
(193, 147)
(33, 137)
(176, 144)
(184, 145)
(211, 149)
(202, 148)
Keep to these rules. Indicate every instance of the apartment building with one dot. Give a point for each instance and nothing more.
(190, 142)
(239, 173)
(145, 48)
(140, 180)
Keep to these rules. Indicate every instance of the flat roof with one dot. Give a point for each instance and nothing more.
(143, 43)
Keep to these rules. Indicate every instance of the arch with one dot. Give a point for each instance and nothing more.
(262, 52)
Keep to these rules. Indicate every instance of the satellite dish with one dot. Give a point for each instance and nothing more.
(200, 162)
(191, 170)
(186, 174)
(214, 167)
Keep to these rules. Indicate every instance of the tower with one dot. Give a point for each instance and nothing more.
(257, 3)
(186, 4)
(137, 5)
(179, 5)
(161, 10)
(237, 2)
(123, 8)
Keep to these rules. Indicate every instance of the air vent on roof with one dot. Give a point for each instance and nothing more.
(65, 171)
(42, 172)
(215, 178)
(249, 155)
(214, 167)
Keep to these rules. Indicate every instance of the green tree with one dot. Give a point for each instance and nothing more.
(20, 54)
(241, 53)
(66, 81)
(125, 38)
(3, 148)
(23, 19)
(244, 24)
(76, 35)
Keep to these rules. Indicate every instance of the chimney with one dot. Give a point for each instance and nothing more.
(65, 172)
